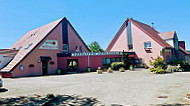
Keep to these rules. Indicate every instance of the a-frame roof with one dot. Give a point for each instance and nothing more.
(32, 38)
(8, 52)
(168, 35)
(151, 32)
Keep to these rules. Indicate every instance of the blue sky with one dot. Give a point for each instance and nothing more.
(94, 20)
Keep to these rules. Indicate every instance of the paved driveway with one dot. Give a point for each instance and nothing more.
(130, 87)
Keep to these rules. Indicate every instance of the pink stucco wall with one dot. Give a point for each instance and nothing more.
(74, 40)
(139, 37)
(121, 43)
(34, 56)
(94, 61)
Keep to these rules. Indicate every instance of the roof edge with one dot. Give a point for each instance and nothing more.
(116, 35)
(38, 43)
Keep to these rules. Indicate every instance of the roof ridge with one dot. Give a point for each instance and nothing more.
(153, 33)
(167, 32)
(145, 24)
(23, 53)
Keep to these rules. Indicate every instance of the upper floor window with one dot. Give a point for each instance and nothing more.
(78, 48)
(65, 47)
(147, 45)
(130, 47)
(28, 46)
(21, 67)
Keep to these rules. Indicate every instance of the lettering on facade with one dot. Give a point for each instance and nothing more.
(96, 53)
(49, 44)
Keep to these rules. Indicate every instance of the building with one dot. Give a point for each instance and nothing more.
(57, 46)
(54, 46)
(147, 43)
(35, 53)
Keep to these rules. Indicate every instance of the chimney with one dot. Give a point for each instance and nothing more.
(182, 44)
(152, 25)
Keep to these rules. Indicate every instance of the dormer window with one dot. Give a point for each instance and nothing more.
(28, 46)
(19, 48)
(147, 45)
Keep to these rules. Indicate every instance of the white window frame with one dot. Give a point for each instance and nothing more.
(147, 45)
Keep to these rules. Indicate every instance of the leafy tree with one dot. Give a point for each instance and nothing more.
(126, 60)
(95, 47)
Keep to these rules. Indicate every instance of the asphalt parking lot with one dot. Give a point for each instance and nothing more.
(138, 87)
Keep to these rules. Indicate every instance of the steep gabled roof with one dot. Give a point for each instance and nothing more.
(151, 32)
(32, 38)
(79, 36)
(168, 35)
(8, 52)
(184, 51)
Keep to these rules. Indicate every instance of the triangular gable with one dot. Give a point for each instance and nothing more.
(32, 38)
(151, 32)
(78, 36)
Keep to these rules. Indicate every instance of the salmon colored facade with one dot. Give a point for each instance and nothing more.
(58, 47)
(32, 62)
(147, 43)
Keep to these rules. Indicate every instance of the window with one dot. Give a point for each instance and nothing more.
(113, 59)
(147, 45)
(118, 59)
(19, 48)
(130, 47)
(65, 47)
(103, 61)
(28, 46)
(168, 50)
(106, 61)
(78, 48)
(21, 67)
(52, 62)
(31, 65)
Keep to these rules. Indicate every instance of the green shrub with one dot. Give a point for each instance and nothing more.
(99, 68)
(143, 65)
(122, 69)
(117, 65)
(110, 70)
(158, 70)
(126, 60)
(105, 69)
(159, 62)
(171, 69)
(183, 65)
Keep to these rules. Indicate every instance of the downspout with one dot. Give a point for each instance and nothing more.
(88, 61)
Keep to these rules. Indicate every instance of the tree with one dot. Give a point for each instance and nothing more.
(126, 60)
(95, 47)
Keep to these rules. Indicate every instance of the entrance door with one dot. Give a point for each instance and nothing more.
(45, 60)
(45, 67)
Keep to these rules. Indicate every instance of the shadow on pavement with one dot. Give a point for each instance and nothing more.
(3, 90)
